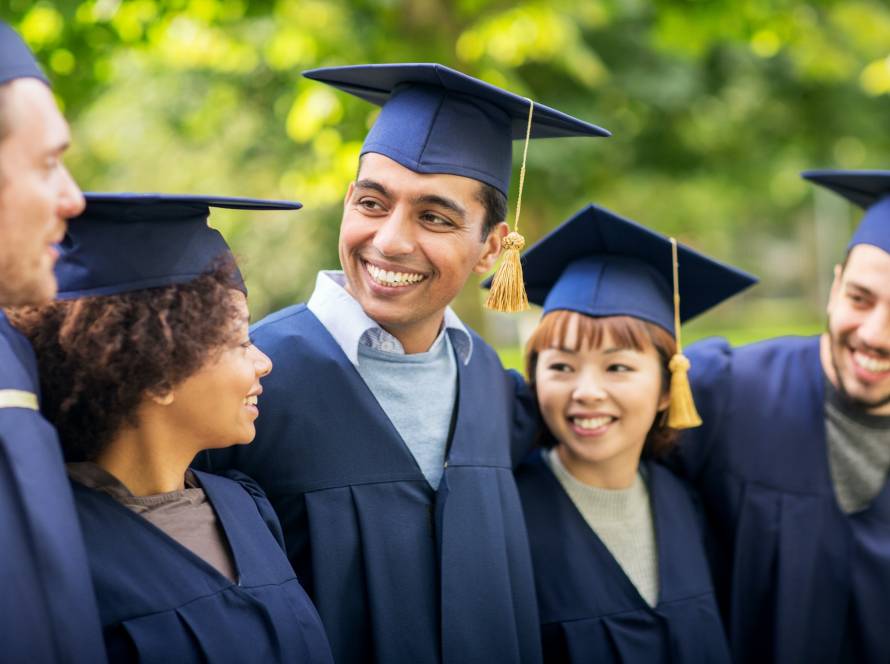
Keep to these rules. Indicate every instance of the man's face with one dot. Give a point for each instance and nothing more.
(37, 193)
(408, 243)
(859, 329)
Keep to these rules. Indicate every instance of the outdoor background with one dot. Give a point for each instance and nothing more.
(715, 106)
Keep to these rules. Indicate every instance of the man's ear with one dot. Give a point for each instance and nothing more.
(491, 248)
(349, 191)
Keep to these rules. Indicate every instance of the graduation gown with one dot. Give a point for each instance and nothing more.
(47, 609)
(798, 580)
(399, 572)
(160, 602)
(590, 610)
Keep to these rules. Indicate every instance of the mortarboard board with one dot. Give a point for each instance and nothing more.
(600, 264)
(869, 190)
(439, 120)
(16, 59)
(127, 242)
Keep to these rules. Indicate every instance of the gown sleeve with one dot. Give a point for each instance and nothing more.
(526, 419)
(710, 376)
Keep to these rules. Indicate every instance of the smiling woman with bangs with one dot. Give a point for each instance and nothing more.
(616, 539)
(145, 361)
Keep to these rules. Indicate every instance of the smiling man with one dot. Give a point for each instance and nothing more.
(793, 461)
(384, 443)
(47, 606)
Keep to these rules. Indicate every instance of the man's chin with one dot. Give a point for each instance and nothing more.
(33, 294)
(865, 400)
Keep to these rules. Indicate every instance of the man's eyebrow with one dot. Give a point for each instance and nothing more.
(443, 202)
(57, 148)
(860, 287)
(372, 185)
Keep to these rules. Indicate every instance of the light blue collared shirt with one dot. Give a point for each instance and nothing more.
(347, 322)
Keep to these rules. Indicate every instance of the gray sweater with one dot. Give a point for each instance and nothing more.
(622, 519)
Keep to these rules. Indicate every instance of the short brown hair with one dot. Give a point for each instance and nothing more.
(101, 356)
(626, 332)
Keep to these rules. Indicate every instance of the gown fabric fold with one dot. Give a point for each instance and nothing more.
(160, 603)
(590, 610)
(47, 606)
(798, 580)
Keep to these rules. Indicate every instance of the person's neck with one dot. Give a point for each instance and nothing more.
(416, 337)
(614, 474)
(148, 459)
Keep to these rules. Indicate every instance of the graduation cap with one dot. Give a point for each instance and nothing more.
(869, 190)
(16, 59)
(600, 264)
(438, 120)
(127, 242)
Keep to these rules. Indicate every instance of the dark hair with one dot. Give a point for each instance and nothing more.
(101, 356)
(625, 332)
(495, 203)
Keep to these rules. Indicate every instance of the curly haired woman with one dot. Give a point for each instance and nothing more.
(144, 362)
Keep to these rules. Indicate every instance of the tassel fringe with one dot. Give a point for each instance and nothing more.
(682, 413)
(507, 292)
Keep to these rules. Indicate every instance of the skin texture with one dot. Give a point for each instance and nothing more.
(37, 194)
(622, 385)
(859, 330)
(207, 410)
(425, 224)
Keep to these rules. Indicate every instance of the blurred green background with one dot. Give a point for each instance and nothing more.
(715, 106)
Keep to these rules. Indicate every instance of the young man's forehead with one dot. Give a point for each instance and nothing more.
(868, 267)
(398, 179)
(29, 107)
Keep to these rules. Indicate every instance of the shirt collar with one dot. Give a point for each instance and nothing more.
(347, 322)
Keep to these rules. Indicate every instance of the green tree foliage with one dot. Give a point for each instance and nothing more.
(715, 107)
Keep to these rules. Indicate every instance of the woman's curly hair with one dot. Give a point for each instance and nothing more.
(100, 356)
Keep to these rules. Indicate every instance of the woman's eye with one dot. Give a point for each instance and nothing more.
(247, 343)
(560, 367)
(620, 368)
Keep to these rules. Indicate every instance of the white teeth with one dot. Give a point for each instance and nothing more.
(591, 422)
(251, 400)
(871, 364)
(388, 278)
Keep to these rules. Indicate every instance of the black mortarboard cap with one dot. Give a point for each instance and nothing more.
(600, 264)
(16, 59)
(124, 242)
(438, 120)
(867, 189)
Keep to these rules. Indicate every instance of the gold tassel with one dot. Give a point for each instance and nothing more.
(507, 288)
(507, 292)
(681, 412)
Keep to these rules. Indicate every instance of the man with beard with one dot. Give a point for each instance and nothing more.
(384, 440)
(47, 610)
(792, 462)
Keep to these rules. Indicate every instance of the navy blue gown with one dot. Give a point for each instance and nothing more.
(798, 580)
(47, 609)
(160, 602)
(590, 610)
(399, 572)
